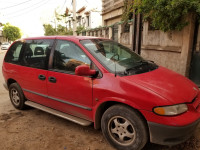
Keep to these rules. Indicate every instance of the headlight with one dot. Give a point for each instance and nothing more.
(171, 110)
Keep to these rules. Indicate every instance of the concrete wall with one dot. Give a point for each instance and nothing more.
(123, 38)
(172, 49)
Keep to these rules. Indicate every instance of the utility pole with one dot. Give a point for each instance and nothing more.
(137, 31)
(74, 17)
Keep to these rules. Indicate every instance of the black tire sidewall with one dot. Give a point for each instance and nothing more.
(21, 96)
(134, 118)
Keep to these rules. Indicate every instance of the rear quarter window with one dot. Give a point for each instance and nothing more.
(13, 53)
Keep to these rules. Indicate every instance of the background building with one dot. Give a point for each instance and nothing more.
(111, 11)
(85, 17)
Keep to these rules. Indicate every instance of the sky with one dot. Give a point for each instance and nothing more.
(30, 15)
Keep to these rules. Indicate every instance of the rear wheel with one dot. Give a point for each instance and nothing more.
(17, 96)
(124, 128)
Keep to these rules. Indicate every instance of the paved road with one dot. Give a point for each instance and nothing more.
(33, 129)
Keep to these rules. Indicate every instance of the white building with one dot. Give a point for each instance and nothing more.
(88, 18)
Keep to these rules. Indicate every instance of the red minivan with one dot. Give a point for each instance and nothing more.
(94, 80)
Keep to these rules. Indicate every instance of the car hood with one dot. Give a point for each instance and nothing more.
(166, 83)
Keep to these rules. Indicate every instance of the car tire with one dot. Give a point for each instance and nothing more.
(124, 128)
(17, 96)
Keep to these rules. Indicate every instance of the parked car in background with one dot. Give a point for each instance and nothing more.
(94, 80)
(5, 46)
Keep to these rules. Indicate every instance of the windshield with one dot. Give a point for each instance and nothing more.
(117, 58)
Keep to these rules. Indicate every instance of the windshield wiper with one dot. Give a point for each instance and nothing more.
(142, 62)
(136, 67)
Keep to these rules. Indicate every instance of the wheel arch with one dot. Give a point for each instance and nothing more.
(104, 106)
(10, 81)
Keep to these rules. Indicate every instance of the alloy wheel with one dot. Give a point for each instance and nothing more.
(121, 130)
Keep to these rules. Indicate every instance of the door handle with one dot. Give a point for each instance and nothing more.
(52, 79)
(41, 77)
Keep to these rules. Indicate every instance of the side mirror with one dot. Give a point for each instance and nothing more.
(84, 70)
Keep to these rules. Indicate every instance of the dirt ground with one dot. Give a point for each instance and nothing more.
(33, 129)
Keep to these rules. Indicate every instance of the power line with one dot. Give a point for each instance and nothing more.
(61, 9)
(86, 1)
(30, 10)
(64, 4)
(15, 5)
(41, 2)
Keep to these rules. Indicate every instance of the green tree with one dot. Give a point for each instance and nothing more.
(167, 15)
(62, 30)
(127, 10)
(12, 33)
(59, 30)
(49, 30)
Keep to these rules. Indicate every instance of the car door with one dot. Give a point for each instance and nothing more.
(68, 92)
(33, 69)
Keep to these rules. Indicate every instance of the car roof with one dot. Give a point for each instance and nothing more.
(73, 38)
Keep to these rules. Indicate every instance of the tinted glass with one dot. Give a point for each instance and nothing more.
(68, 56)
(13, 54)
(36, 53)
(117, 58)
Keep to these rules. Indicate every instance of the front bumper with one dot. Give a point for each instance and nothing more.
(170, 135)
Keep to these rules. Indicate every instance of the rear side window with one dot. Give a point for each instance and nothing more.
(13, 54)
(36, 53)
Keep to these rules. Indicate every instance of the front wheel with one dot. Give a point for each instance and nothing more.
(123, 128)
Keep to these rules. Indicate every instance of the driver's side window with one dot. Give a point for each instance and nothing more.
(68, 56)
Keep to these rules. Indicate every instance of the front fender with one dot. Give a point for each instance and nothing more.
(103, 104)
